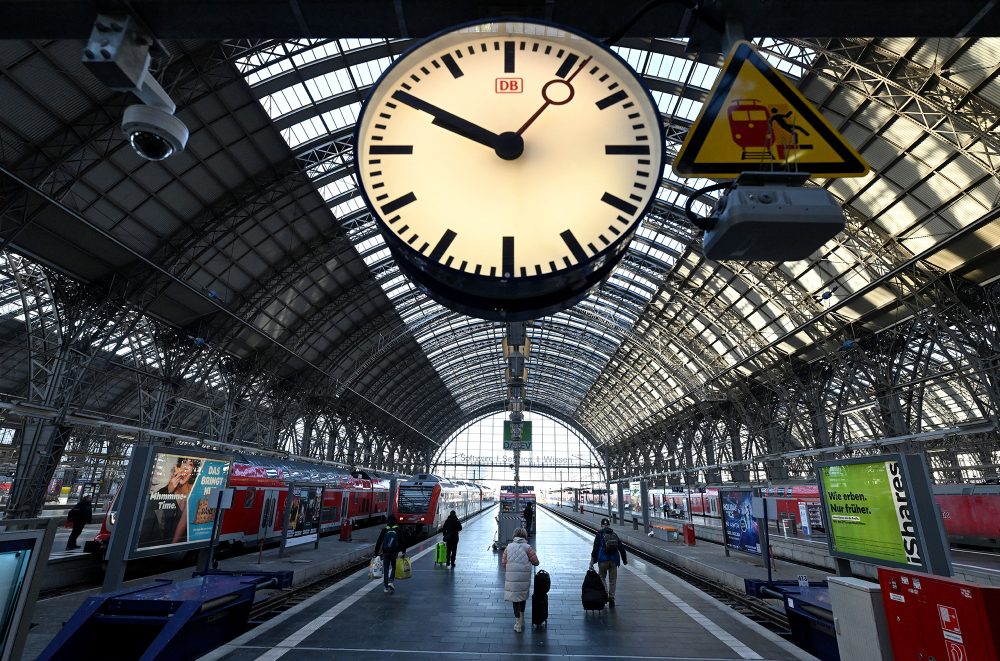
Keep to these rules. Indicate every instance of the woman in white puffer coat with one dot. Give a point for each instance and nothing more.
(517, 560)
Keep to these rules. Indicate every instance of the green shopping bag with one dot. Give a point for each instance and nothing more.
(402, 568)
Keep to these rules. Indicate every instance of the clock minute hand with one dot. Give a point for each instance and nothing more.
(507, 146)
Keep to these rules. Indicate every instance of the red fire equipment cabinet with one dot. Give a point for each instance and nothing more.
(931, 617)
(689, 537)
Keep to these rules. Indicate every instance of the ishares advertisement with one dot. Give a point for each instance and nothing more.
(870, 514)
(177, 507)
(740, 525)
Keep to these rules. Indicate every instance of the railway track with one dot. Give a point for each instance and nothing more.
(754, 609)
(286, 599)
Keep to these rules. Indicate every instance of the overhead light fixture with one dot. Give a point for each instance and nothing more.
(118, 55)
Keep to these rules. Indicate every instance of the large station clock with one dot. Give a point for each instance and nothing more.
(508, 165)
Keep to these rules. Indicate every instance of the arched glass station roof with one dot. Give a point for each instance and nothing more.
(670, 327)
(238, 292)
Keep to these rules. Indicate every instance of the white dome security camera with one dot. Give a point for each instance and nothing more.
(153, 133)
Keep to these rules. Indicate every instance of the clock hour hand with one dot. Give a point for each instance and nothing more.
(507, 146)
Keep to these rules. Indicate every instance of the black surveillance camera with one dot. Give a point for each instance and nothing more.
(153, 133)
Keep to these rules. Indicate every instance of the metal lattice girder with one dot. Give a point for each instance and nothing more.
(216, 19)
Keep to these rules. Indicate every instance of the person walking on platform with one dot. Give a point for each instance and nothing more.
(527, 518)
(81, 514)
(518, 557)
(390, 545)
(450, 529)
(607, 554)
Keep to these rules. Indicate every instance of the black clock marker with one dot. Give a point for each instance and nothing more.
(573, 245)
(626, 150)
(449, 61)
(398, 203)
(508, 56)
(619, 203)
(390, 149)
(612, 99)
(567, 65)
(507, 261)
(442, 246)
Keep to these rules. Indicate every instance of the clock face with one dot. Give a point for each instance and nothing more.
(508, 165)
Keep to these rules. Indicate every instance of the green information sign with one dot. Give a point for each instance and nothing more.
(879, 509)
(508, 444)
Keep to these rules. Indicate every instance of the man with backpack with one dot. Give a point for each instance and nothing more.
(390, 545)
(608, 554)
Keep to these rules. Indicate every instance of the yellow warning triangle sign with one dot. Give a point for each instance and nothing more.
(756, 120)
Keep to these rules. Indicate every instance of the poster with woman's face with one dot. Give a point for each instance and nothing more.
(177, 509)
(303, 513)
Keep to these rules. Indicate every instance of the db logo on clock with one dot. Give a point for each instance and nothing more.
(509, 85)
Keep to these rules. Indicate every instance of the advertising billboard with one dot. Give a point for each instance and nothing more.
(880, 509)
(738, 523)
(304, 504)
(175, 500)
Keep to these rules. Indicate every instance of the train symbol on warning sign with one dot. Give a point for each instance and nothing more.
(761, 131)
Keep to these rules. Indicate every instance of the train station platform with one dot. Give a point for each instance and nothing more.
(704, 559)
(306, 562)
(460, 613)
(806, 552)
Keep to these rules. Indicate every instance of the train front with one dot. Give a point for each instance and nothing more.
(417, 503)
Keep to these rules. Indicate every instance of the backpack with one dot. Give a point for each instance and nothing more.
(610, 541)
(391, 542)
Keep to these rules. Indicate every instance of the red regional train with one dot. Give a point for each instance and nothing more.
(970, 512)
(261, 486)
(425, 501)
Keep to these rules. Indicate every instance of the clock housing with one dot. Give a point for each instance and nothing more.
(508, 165)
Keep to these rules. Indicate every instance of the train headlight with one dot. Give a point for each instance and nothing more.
(112, 517)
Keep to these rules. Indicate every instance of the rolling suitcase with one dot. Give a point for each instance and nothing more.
(440, 553)
(594, 594)
(540, 599)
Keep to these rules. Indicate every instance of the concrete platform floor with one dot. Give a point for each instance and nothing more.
(460, 613)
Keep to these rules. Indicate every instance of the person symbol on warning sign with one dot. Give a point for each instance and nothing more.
(781, 119)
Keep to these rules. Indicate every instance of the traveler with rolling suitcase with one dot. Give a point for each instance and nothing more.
(607, 554)
(450, 529)
(518, 557)
(540, 598)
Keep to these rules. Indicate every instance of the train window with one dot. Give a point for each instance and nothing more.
(414, 500)
(754, 115)
(249, 498)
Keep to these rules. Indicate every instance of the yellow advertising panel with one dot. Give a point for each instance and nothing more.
(755, 120)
